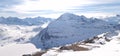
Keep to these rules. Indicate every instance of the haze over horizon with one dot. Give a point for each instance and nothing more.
(54, 8)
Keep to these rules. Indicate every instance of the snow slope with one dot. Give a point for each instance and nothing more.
(17, 49)
(111, 48)
(70, 28)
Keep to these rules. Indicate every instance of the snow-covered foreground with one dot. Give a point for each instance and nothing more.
(17, 49)
(111, 48)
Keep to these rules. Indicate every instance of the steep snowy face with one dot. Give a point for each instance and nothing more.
(70, 28)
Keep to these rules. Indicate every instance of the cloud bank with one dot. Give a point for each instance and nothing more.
(54, 8)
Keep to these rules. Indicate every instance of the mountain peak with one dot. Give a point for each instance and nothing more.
(70, 16)
(67, 14)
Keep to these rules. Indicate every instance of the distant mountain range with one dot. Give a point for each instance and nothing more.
(25, 21)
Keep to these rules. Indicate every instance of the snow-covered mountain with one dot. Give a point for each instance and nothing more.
(25, 21)
(70, 28)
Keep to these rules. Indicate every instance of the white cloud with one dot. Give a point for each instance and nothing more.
(106, 1)
(56, 5)
(54, 8)
(96, 14)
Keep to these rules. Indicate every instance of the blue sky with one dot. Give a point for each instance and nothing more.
(54, 8)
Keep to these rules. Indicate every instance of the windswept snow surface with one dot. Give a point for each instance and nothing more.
(17, 49)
